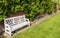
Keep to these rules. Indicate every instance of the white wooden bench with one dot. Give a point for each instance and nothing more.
(14, 23)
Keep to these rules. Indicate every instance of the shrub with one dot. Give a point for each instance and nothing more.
(33, 7)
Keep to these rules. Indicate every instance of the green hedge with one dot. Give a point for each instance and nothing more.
(32, 7)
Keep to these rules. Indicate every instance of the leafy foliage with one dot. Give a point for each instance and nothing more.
(33, 7)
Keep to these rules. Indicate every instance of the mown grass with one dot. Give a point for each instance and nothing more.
(48, 29)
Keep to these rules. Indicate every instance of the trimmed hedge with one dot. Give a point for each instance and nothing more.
(32, 7)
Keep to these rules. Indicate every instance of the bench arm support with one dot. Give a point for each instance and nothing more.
(7, 29)
(27, 20)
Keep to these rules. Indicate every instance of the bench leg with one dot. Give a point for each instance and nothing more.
(29, 24)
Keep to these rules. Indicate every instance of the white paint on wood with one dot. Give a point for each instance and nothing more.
(14, 23)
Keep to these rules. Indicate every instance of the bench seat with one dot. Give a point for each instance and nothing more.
(15, 27)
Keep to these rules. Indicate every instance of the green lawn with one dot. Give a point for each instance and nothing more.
(48, 29)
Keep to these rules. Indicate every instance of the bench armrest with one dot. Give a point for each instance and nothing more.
(7, 26)
(27, 20)
(29, 23)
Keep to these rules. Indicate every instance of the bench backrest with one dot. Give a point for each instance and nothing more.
(15, 20)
